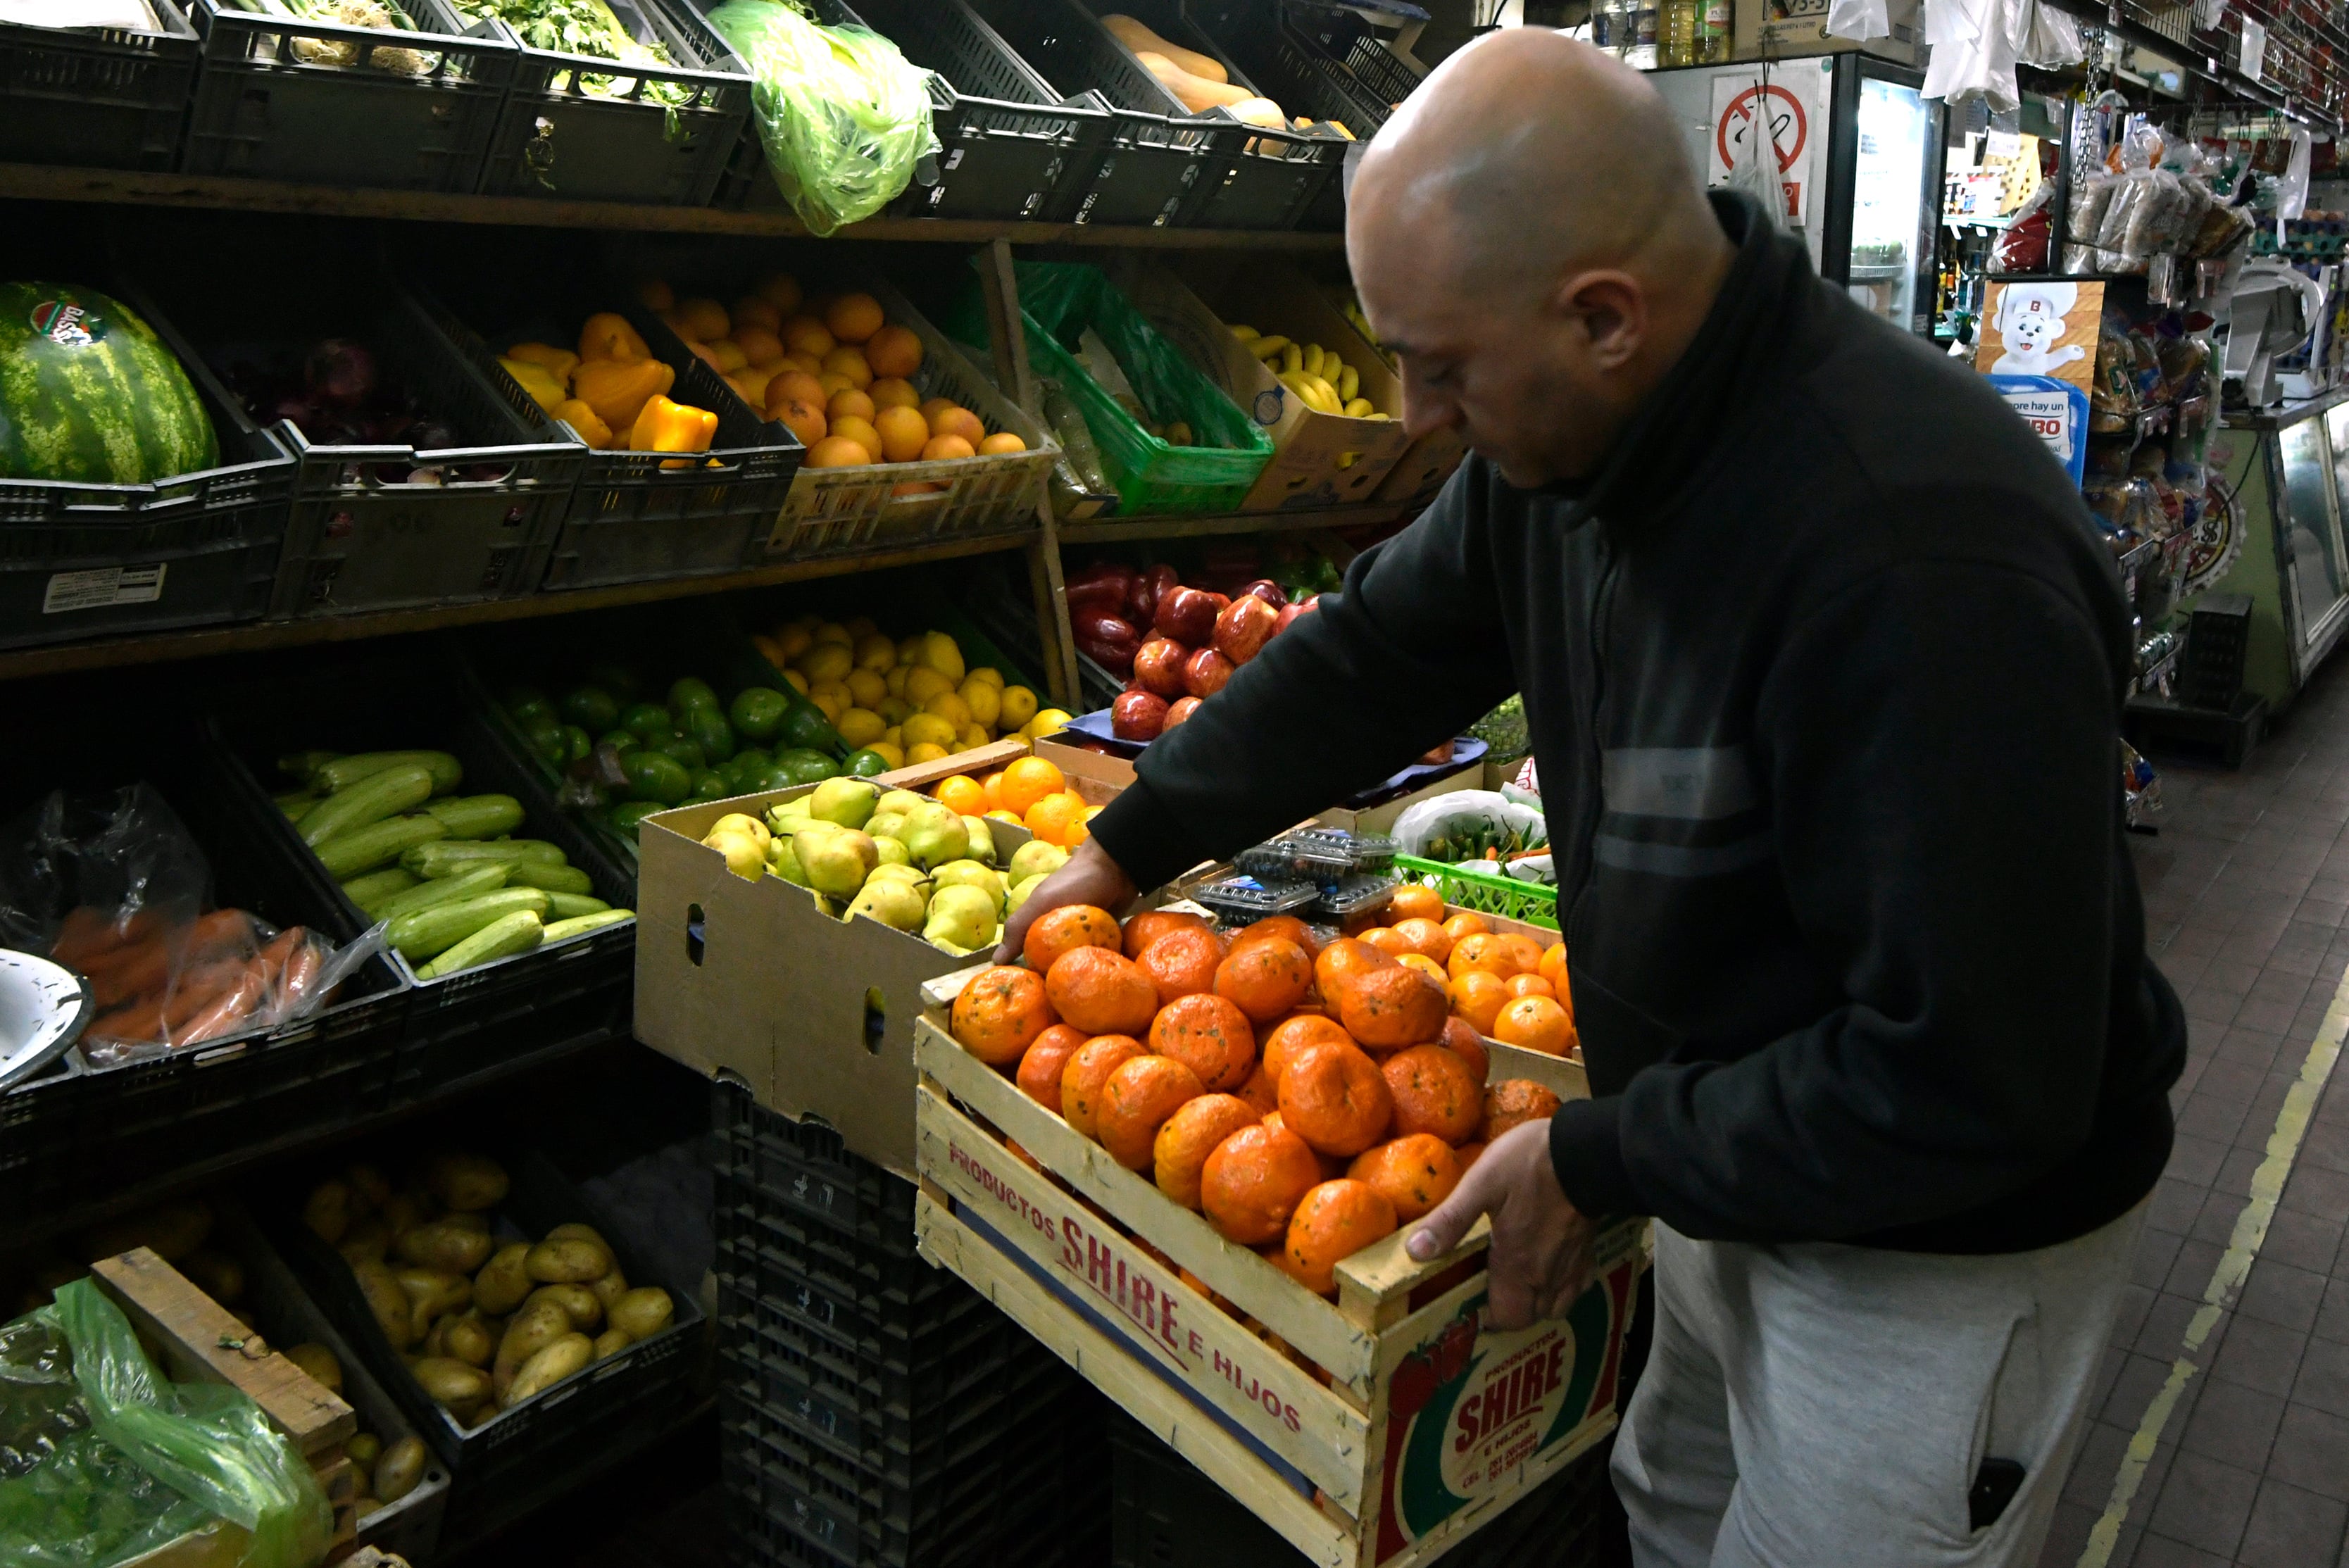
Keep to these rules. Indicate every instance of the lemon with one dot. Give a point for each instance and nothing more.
(859, 727)
(1015, 708)
(837, 690)
(973, 737)
(988, 674)
(860, 628)
(893, 736)
(1048, 721)
(924, 751)
(928, 728)
(834, 631)
(923, 683)
(985, 702)
(942, 654)
(896, 679)
(893, 709)
(794, 639)
(830, 704)
(875, 652)
(949, 707)
(798, 682)
(910, 652)
(867, 687)
(888, 751)
(826, 661)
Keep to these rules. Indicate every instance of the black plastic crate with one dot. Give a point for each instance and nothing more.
(97, 97)
(1289, 67)
(1355, 46)
(265, 110)
(803, 1167)
(556, 138)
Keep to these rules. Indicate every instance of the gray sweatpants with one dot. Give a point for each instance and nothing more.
(1817, 1404)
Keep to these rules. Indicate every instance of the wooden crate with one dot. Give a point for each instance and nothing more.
(1428, 1424)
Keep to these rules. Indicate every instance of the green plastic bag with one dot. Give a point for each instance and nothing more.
(101, 1460)
(842, 114)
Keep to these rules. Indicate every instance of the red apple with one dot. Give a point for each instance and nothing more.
(1142, 598)
(1158, 665)
(1105, 639)
(1102, 586)
(1244, 627)
(1188, 615)
(1205, 673)
(1288, 617)
(1266, 589)
(1138, 715)
(1185, 707)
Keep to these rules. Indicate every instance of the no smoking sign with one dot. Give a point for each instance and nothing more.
(1741, 108)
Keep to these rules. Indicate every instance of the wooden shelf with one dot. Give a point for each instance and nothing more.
(1117, 531)
(42, 183)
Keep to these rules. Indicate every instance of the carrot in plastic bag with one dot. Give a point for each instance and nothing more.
(226, 1015)
(221, 931)
(88, 933)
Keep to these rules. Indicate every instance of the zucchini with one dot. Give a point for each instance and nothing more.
(371, 800)
(377, 886)
(553, 877)
(580, 923)
(446, 860)
(448, 890)
(302, 764)
(377, 844)
(478, 816)
(572, 905)
(501, 938)
(431, 931)
(344, 771)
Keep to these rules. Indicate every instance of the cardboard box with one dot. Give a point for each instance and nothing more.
(1423, 467)
(1089, 770)
(1769, 29)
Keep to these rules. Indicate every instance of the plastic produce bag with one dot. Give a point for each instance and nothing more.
(102, 1461)
(1470, 825)
(1859, 20)
(1755, 170)
(842, 114)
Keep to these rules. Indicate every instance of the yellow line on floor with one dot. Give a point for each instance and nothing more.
(2242, 1247)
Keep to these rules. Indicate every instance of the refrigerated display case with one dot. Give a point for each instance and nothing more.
(1859, 154)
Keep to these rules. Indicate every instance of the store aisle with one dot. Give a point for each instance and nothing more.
(2247, 893)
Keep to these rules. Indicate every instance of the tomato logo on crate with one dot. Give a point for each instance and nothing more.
(1472, 1408)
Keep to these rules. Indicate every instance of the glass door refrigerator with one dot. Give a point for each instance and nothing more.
(1858, 148)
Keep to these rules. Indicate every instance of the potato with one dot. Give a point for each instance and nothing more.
(363, 1505)
(459, 1220)
(171, 1230)
(505, 1280)
(435, 1338)
(215, 1273)
(643, 1313)
(532, 1331)
(551, 1366)
(469, 1339)
(451, 1382)
(610, 1287)
(466, 1182)
(369, 1184)
(434, 1291)
(361, 1449)
(577, 1301)
(576, 1231)
(400, 1468)
(449, 1248)
(572, 1260)
(403, 1212)
(610, 1340)
(327, 1210)
(394, 1312)
(322, 1365)
(369, 1239)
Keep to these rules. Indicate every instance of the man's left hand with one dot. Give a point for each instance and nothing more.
(1541, 1258)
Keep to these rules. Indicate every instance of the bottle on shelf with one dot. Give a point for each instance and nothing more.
(1715, 22)
(1640, 53)
(1677, 43)
(1607, 25)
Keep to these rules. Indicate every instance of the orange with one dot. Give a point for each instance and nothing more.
(1135, 1102)
(964, 796)
(1059, 819)
(1463, 925)
(1267, 979)
(1536, 1023)
(1101, 991)
(903, 434)
(1287, 927)
(893, 351)
(1147, 927)
(805, 335)
(849, 363)
(934, 407)
(1478, 997)
(1553, 967)
(850, 403)
(999, 1014)
(837, 452)
(1461, 1038)
(1416, 900)
(1003, 443)
(1389, 1008)
(1335, 1098)
(1208, 1035)
(993, 785)
(1332, 1222)
(753, 311)
(1293, 1034)
(805, 421)
(1468, 1154)
(1424, 936)
(1070, 926)
(1332, 1166)
(1087, 1074)
(1528, 952)
(1530, 986)
(1415, 1173)
(1252, 1181)
(1048, 1055)
(860, 432)
(1513, 1102)
(796, 384)
(958, 421)
(1182, 964)
(702, 320)
(1179, 1154)
(1432, 969)
(759, 344)
(1434, 1093)
(894, 392)
(1029, 780)
(1342, 960)
(1262, 1095)
(1491, 954)
(853, 318)
(945, 449)
(1387, 940)
(780, 290)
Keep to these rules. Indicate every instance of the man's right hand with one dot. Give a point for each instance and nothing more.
(1090, 877)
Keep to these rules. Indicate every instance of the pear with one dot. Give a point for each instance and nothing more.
(1019, 894)
(936, 835)
(744, 857)
(910, 875)
(964, 916)
(892, 851)
(891, 901)
(783, 863)
(970, 874)
(847, 801)
(836, 859)
(736, 822)
(902, 801)
(789, 817)
(1037, 859)
(982, 840)
(886, 824)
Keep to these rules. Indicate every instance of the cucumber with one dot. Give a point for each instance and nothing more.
(296, 803)
(344, 771)
(501, 938)
(579, 924)
(378, 844)
(302, 764)
(377, 886)
(371, 800)
(478, 816)
(448, 890)
(572, 905)
(428, 933)
(446, 860)
(554, 879)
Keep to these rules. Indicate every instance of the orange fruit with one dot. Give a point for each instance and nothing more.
(1332, 1222)
(1390, 1008)
(1048, 1055)
(1387, 940)
(1491, 954)
(1182, 964)
(1468, 1154)
(849, 363)
(759, 344)
(1415, 1173)
(1147, 927)
(934, 407)
(893, 351)
(1208, 1035)
(796, 384)
(1059, 819)
(1530, 986)
(1029, 780)
(702, 320)
(1267, 979)
(1528, 952)
(1553, 967)
(945, 448)
(1461, 1038)
(963, 795)
(860, 432)
(803, 420)
(1003, 443)
(853, 318)
(903, 434)
(1263, 1096)
(1087, 1074)
(894, 392)
(1252, 1181)
(1424, 936)
(1332, 1166)
(753, 311)
(837, 452)
(958, 420)
(1060, 930)
(1464, 925)
(1536, 1023)
(1293, 1034)
(1432, 969)
(1342, 959)
(1416, 900)
(1286, 927)
(1179, 1154)
(780, 290)
(850, 404)
(1334, 1097)
(1101, 991)
(999, 1014)
(1135, 1102)
(805, 335)
(1434, 1093)
(1479, 998)
(1513, 1102)
(993, 785)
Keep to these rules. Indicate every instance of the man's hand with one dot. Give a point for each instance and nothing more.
(1541, 1257)
(1090, 877)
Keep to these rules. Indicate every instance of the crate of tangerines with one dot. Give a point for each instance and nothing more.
(1183, 1157)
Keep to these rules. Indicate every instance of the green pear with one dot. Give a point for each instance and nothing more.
(891, 901)
(983, 841)
(1037, 859)
(836, 859)
(970, 874)
(789, 817)
(892, 851)
(900, 872)
(904, 802)
(886, 824)
(936, 835)
(1019, 894)
(783, 863)
(744, 855)
(964, 916)
(847, 801)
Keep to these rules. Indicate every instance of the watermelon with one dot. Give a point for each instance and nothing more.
(90, 395)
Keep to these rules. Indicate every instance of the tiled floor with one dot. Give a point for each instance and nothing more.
(2247, 893)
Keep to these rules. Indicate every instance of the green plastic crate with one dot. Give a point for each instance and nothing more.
(1485, 892)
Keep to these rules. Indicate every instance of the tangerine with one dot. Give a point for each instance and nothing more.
(1151, 924)
(1536, 1024)
(1101, 991)
(1179, 1154)
(1286, 927)
(1135, 1102)
(1182, 963)
(963, 795)
(1468, 1154)
(1029, 780)
(1334, 1097)
(1065, 929)
(1434, 1093)
(1252, 1181)
(1415, 1173)
(1529, 951)
(1332, 1222)
(1267, 977)
(1041, 1067)
(1387, 940)
(999, 1014)
(1389, 1008)
(1416, 900)
(1209, 1035)
(1478, 998)
(1553, 967)
(1461, 1038)
(1531, 986)
(1087, 1074)
(1489, 953)
(1293, 1034)
(1332, 1166)
(1424, 936)
(1432, 969)
(1463, 925)
(1513, 1102)
(993, 785)
(1059, 819)
(1345, 957)
(1261, 1093)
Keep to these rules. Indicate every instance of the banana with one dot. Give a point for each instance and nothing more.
(1313, 354)
(1325, 395)
(1358, 407)
(1246, 334)
(1349, 383)
(1266, 348)
(1307, 390)
(1292, 359)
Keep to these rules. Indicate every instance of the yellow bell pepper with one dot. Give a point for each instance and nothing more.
(559, 362)
(582, 418)
(544, 389)
(616, 389)
(667, 427)
(608, 335)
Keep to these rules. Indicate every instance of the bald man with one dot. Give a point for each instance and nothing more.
(1823, 665)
